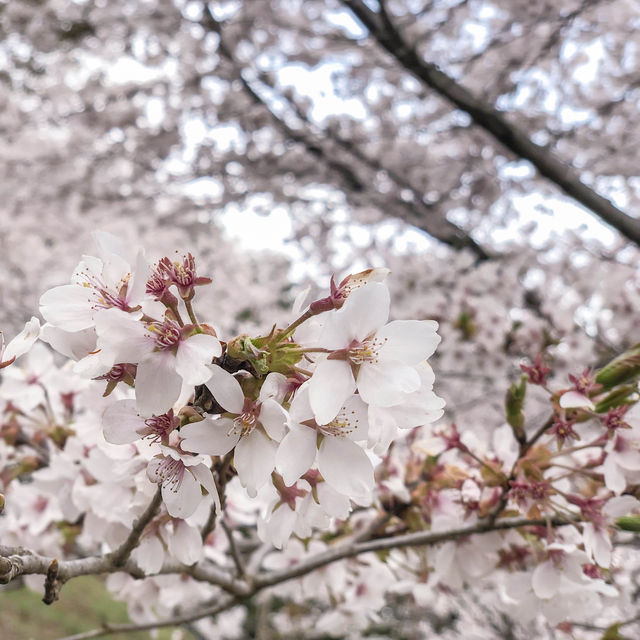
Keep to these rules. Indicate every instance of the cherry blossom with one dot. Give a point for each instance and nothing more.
(385, 354)
(181, 477)
(252, 427)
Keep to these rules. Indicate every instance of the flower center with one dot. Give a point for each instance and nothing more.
(103, 297)
(346, 422)
(183, 274)
(158, 428)
(171, 472)
(166, 334)
(246, 421)
(366, 351)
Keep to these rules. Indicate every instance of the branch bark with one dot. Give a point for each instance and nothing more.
(342, 551)
(491, 120)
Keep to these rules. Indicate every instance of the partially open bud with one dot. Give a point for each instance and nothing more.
(339, 293)
(514, 405)
(629, 523)
(621, 369)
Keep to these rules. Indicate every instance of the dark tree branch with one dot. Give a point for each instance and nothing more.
(493, 121)
(422, 216)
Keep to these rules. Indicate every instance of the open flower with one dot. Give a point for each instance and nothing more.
(168, 356)
(122, 424)
(252, 427)
(181, 476)
(377, 358)
(343, 464)
(98, 283)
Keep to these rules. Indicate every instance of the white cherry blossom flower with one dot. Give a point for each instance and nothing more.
(171, 359)
(343, 464)
(253, 428)
(377, 358)
(97, 284)
(596, 533)
(122, 424)
(181, 477)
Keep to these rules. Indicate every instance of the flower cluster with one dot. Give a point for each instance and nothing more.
(215, 464)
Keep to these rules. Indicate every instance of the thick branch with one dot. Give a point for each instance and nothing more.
(26, 562)
(339, 552)
(493, 121)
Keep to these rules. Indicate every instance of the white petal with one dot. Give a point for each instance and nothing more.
(614, 477)
(185, 545)
(73, 345)
(210, 437)
(122, 336)
(273, 418)
(182, 500)
(254, 460)
(149, 555)
(274, 386)
(545, 580)
(330, 385)
(300, 409)
(157, 385)
(225, 389)
(574, 399)
(138, 281)
(336, 332)
(335, 504)
(23, 341)
(296, 453)
(367, 309)
(597, 544)
(300, 301)
(194, 354)
(346, 467)
(120, 422)
(386, 384)
(108, 243)
(408, 341)
(68, 307)
(204, 476)
(621, 506)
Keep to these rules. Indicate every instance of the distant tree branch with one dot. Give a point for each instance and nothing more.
(491, 120)
(420, 214)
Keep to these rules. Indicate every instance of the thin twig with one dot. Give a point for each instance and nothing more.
(237, 560)
(122, 553)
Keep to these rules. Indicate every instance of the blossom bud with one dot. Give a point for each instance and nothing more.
(627, 394)
(629, 523)
(621, 369)
(339, 293)
(514, 404)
